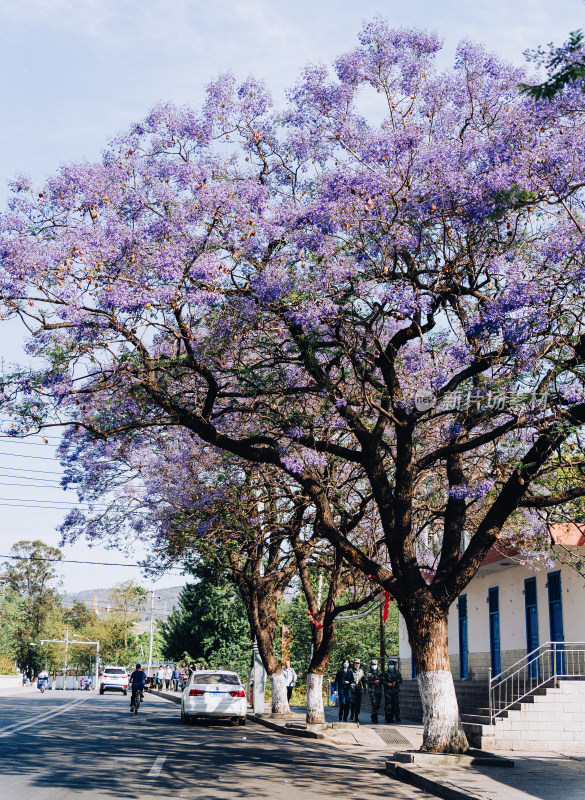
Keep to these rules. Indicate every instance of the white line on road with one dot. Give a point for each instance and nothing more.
(19, 726)
(156, 767)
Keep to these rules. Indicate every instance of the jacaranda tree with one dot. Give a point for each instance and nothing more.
(208, 508)
(396, 285)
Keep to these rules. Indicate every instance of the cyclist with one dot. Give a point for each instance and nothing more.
(137, 682)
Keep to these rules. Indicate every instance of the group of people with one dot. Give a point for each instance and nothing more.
(167, 677)
(174, 677)
(351, 683)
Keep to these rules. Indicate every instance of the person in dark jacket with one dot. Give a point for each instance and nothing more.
(392, 681)
(343, 681)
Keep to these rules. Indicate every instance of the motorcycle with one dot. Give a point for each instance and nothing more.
(42, 684)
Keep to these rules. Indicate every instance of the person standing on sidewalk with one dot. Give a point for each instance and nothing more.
(392, 681)
(343, 681)
(357, 689)
(290, 677)
(375, 690)
(176, 677)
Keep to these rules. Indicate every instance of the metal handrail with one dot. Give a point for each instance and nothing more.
(548, 663)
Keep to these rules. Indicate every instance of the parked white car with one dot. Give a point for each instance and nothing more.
(114, 679)
(214, 693)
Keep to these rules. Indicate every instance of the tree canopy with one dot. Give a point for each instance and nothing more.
(305, 286)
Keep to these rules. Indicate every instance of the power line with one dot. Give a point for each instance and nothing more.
(25, 505)
(63, 502)
(54, 485)
(26, 478)
(13, 440)
(29, 435)
(71, 561)
(23, 469)
(37, 458)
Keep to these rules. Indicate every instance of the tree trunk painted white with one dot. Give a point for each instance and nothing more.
(315, 712)
(442, 727)
(279, 699)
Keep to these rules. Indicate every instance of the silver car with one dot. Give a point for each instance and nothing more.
(214, 693)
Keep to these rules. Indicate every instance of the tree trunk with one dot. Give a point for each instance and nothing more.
(315, 711)
(427, 633)
(279, 699)
(265, 644)
(322, 638)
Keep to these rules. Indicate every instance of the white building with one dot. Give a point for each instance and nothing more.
(507, 612)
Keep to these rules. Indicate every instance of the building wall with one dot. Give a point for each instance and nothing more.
(510, 581)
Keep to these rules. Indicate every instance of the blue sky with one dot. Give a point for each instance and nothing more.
(76, 72)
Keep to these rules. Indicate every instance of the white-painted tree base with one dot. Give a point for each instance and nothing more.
(315, 712)
(279, 699)
(442, 727)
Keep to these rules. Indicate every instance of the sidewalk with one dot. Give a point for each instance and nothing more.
(543, 776)
(403, 736)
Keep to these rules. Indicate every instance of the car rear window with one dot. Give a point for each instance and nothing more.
(115, 671)
(220, 677)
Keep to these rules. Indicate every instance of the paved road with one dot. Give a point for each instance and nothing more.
(79, 745)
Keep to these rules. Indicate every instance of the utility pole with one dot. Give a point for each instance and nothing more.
(382, 639)
(97, 666)
(151, 632)
(66, 653)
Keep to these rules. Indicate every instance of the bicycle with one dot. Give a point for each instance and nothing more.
(138, 698)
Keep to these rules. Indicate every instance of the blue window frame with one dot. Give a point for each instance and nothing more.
(463, 644)
(555, 616)
(494, 611)
(531, 609)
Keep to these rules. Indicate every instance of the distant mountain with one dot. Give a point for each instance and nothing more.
(99, 599)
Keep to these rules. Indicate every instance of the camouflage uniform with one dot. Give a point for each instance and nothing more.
(392, 695)
(376, 691)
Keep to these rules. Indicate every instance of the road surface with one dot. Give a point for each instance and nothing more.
(83, 746)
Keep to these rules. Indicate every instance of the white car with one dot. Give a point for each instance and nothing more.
(114, 679)
(214, 693)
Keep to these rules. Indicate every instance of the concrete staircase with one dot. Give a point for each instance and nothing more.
(550, 718)
(470, 695)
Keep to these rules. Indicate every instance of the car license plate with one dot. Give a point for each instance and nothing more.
(219, 694)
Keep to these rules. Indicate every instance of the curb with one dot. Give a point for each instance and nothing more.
(166, 696)
(438, 788)
(298, 732)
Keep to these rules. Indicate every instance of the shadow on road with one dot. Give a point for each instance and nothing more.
(102, 750)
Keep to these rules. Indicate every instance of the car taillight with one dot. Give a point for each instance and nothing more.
(196, 692)
(238, 693)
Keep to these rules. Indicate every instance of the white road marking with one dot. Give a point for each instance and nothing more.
(156, 767)
(29, 723)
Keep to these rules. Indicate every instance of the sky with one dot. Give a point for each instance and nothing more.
(77, 72)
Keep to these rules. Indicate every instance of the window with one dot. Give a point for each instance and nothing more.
(219, 678)
(494, 612)
(531, 609)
